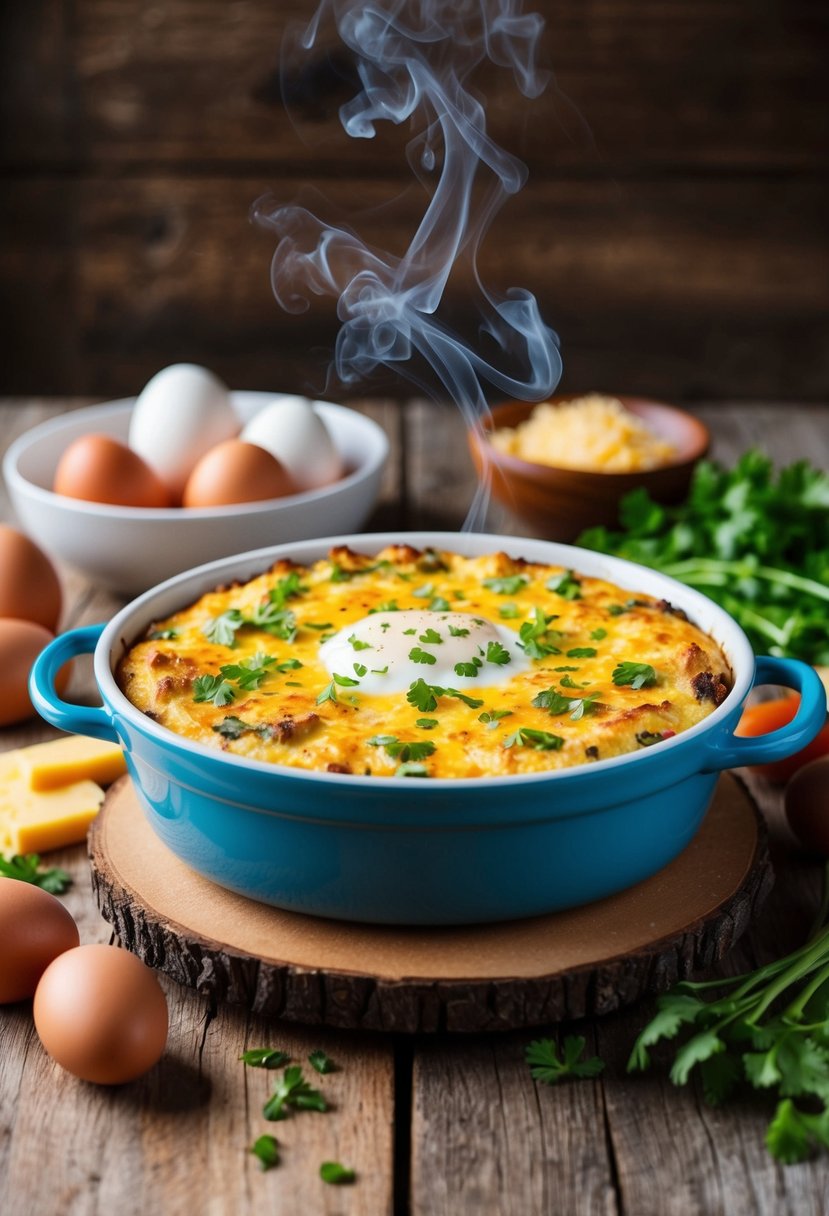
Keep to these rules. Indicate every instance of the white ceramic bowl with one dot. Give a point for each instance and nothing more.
(129, 549)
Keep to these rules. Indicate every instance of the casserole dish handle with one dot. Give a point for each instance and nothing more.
(78, 719)
(732, 751)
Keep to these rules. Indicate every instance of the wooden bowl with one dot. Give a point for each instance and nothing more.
(560, 503)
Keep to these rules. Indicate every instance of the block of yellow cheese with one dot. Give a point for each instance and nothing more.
(48, 766)
(35, 821)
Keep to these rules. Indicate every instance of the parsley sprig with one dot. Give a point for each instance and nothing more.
(755, 541)
(26, 867)
(637, 675)
(293, 1092)
(547, 1065)
(556, 703)
(400, 749)
(770, 1030)
(425, 696)
(537, 639)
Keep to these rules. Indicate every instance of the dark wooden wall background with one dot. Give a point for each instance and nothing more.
(674, 226)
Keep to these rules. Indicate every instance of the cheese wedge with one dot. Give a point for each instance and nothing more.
(33, 821)
(48, 766)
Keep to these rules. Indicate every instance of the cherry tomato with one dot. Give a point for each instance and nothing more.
(767, 716)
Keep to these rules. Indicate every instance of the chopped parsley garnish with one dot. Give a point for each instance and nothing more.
(497, 654)
(421, 656)
(548, 1066)
(212, 688)
(431, 637)
(616, 609)
(360, 669)
(425, 696)
(158, 635)
(411, 769)
(321, 1061)
(469, 669)
(511, 584)
(339, 574)
(555, 703)
(250, 673)
(286, 589)
(329, 693)
(423, 593)
(598, 634)
(401, 750)
(427, 723)
(26, 868)
(344, 681)
(439, 604)
(232, 727)
(540, 740)
(379, 671)
(356, 644)
(509, 612)
(387, 606)
(320, 625)
(457, 631)
(266, 1149)
(566, 669)
(288, 665)
(568, 682)
(264, 1057)
(492, 717)
(222, 629)
(335, 1174)
(637, 675)
(566, 585)
(409, 633)
(582, 652)
(272, 617)
(536, 635)
(293, 1091)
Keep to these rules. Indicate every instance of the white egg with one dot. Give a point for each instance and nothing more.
(292, 431)
(377, 651)
(181, 413)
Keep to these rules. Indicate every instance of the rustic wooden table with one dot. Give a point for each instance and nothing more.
(433, 1126)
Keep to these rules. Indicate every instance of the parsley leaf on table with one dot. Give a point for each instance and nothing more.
(266, 1149)
(547, 1065)
(264, 1057)
(321, 1061)
(769, 1029)
(335, 1174)
(26, 868)
(293, 1091)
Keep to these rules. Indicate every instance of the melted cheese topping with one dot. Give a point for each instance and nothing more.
(426, 664)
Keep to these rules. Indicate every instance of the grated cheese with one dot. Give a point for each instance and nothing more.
(594, 433)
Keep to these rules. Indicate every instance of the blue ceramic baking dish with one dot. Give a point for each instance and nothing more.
(403, 851)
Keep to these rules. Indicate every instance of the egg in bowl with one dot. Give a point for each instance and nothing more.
(425, 663)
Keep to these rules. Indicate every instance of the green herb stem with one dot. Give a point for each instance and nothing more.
(690, 570)
(796, 1008)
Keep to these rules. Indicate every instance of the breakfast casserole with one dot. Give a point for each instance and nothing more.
(426, 664)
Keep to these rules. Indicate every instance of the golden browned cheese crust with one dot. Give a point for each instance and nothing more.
(240, 669)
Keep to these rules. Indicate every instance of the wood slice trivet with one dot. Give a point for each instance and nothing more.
(571, 964)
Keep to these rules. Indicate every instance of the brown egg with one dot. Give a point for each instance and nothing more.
(807, 805)
(34, 929)
(98, 468)
(20, 644)
(101, 1014)
(29, 587)
(235, 471)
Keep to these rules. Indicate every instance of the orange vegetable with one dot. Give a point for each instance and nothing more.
(767, 716)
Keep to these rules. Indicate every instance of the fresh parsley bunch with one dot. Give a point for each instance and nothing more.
(756, 542)
(770, 1031)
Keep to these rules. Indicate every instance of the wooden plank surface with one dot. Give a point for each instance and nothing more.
(722, 84)
(432, 1126)
(483, 1142)
(655, 287)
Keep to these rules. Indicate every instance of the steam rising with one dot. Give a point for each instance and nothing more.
(414, 59)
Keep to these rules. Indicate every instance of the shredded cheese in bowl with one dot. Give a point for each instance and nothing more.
(595, 433)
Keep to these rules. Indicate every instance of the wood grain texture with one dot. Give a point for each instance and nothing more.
(299, 968)
(660, 287)
(481, 1133)
(639, 86)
